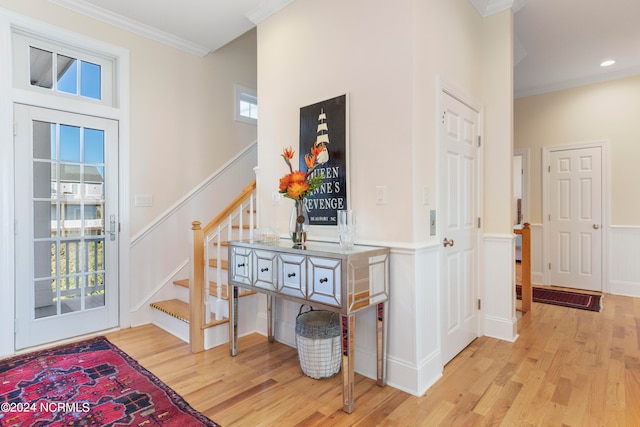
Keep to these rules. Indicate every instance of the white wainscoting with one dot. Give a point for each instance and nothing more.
(498, 300)
(624, 264)
(158, 251)
(537, 260)
(620, 259)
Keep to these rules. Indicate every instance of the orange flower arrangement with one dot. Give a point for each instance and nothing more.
(297, 185)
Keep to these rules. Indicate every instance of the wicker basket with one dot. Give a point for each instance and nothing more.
(318, 335)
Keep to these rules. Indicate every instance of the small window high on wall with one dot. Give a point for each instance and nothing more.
(246, 105)
(48, 67)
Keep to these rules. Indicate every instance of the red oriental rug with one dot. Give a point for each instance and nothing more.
(564, 298)
(89, 383)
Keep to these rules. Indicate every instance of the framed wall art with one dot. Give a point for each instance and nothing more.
(325, 125)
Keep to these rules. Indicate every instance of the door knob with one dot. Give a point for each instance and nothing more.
(596, 226)
(446, 242)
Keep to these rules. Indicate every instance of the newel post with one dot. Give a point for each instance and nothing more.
(196, 291)
(527, 293)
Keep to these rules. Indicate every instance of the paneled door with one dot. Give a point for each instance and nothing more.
(67, 225)
(575, 218)
(459, 225)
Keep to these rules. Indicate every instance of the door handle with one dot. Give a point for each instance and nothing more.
(112, 227)
(446, 242)
(596, 226)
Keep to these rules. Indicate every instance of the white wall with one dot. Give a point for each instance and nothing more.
(367, 53)
(609, 112)
(389, 58)
(603, 111)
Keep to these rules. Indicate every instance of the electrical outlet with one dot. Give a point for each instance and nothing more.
(275, 198)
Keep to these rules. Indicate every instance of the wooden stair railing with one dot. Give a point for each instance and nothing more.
(527, 292)
(203, 239)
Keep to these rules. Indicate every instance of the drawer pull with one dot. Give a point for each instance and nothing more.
(324, 280)
(241, 265)
(291, 275)
(262, 270)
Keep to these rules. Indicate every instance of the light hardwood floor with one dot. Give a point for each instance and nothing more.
(568, 368)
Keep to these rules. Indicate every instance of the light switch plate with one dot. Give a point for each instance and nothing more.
(381, 195)
(143, 200)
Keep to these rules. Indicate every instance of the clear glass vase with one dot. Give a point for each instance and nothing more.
(299, 223)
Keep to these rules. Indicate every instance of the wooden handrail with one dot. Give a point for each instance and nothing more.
(229, 209)
(527, 292)
(199, 264)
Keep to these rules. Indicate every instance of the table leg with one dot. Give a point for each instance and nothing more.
(348, 330)
(271, 326)
(381, 343)
(233, 319)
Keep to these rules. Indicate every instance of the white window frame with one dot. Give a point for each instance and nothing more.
(21, 42)
(244, 94)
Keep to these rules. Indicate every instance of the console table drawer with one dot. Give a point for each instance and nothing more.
(293, 271)
(240, 265)
(266, 263)
(324, 281)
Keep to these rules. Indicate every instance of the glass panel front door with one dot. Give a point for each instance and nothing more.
(66, 251)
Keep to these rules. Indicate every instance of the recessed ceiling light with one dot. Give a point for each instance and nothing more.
(607, 62)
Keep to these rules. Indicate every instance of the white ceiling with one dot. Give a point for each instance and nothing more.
(561, 43)
(558, 43)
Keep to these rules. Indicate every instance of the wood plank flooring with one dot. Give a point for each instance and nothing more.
(568, 368)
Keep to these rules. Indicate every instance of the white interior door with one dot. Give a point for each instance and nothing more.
(575, 218)
(66, 230)
(459, 227)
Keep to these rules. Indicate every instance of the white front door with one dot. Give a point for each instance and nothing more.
(459, 227)
(575, 218)
(67, 225)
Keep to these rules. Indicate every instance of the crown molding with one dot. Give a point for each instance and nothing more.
(265, 9)
(131, 25)
(490, 7)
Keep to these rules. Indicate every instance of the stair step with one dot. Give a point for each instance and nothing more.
(213, 289)
(224, 264)
(180, 310)
(173, 307)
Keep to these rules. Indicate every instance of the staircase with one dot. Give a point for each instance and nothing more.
(198, 313)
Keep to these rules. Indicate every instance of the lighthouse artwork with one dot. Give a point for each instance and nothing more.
(322, 138)
(324, 126)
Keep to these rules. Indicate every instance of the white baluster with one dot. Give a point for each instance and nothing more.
(219, 300)
(207, 307)
(252, 225)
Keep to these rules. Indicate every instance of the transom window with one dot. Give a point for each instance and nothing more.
(62, 70)
(62, 73)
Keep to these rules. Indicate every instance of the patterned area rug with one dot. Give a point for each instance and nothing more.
(564, 298)
(89, 383)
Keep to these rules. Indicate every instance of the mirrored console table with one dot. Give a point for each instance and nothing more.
(320, 275)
